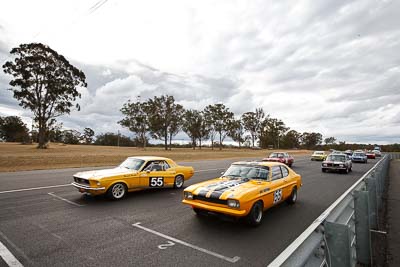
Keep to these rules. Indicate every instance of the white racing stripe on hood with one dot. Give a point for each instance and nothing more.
(104, 173)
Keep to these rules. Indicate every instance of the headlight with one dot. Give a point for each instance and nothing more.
(187, 195)
(324, 164)
(98, 183)
(341, 165)
(233, 203)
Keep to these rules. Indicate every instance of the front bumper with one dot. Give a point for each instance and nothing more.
(86, 188)
(227, 210)
(317, 158)
(334, 168)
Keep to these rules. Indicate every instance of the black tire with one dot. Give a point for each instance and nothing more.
(323, 170)
(293, 197)
(199, 212)
(290, 165)
(117, 191)
(255, 215)
(179, 181)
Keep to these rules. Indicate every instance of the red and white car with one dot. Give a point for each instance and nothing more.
(282, 157)
(371, 154)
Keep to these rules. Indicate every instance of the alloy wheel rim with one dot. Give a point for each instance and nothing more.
(179, 181)
(118, 190)
(258, 214)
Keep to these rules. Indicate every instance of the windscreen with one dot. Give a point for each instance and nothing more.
(336, 158)
(132, 164)
(247, 171)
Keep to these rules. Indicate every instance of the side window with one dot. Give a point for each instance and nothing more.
(285, 171)
(164, 165)
(147, 166)
(154, 166)
(276, 173)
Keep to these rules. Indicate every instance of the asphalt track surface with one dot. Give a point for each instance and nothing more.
(58, 226)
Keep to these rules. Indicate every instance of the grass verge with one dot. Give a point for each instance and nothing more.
(17, 157)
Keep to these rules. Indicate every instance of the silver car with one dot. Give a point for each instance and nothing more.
(337, 163)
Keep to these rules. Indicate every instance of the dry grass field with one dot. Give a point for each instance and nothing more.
(17, 157)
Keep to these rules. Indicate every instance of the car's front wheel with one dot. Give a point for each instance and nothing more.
(117, 191)
(255, 215)
(199, 212)
(323, 170)
(179, 180)
(293, 196)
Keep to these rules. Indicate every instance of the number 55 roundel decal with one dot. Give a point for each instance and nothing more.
(277, 195)
(156, 182)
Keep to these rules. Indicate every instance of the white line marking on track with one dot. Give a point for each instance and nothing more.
(231, 260)
(8, 257)
(62, 185)
(66, 200)
(34, 188)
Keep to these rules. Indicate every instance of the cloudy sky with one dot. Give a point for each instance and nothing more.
(326, 66)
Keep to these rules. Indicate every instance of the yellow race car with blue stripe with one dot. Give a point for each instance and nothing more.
(245, 189)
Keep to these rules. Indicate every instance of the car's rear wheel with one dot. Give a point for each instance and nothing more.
(117, 191)
(179, 181)
(293, 196)
(255, 215)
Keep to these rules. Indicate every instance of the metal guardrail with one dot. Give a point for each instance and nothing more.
(341, 235)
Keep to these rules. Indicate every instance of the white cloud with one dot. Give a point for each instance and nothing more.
(328, 66)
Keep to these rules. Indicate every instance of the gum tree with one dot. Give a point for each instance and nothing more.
(44, 82)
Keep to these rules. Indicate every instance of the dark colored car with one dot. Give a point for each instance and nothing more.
(282, 157)
(338, 163)
(359, 157)
(349, 152)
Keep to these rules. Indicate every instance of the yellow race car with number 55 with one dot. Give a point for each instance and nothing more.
(135, 173)
(246, 190)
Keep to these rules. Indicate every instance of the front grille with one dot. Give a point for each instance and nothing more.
(212, 200)
(81, 180)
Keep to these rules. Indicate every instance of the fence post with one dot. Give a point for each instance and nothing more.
(373, 209)
(338, 244)
(363, 237)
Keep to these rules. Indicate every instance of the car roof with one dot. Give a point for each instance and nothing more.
(338, 154)
(148, 158)
(259, 163)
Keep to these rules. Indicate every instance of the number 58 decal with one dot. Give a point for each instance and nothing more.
(156, 181)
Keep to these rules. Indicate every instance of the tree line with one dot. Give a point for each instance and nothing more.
(162, 118)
